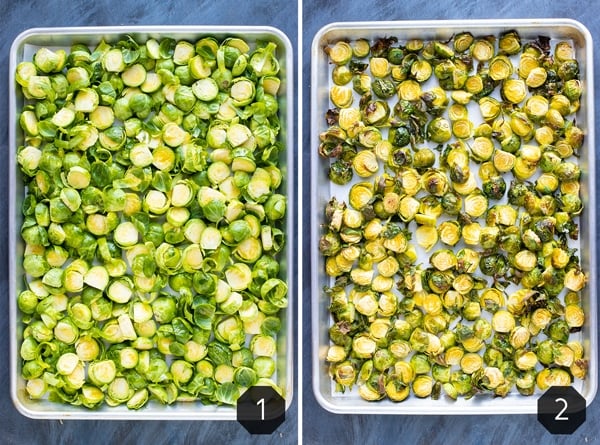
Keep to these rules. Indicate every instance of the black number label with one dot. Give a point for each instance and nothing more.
(261, 410)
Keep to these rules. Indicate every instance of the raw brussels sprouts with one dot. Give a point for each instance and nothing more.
(153, 221)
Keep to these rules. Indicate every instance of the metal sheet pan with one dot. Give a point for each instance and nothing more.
(22, 48)
(322, 190)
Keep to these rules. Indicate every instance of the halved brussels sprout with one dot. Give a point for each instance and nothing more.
(500, 67)
(341, 96)
(483, 49)
(339, 53)
(148, 106)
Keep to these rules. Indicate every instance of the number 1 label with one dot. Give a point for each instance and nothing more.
(261, 410)
(261, 403)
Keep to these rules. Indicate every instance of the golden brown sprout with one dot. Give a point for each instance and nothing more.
(514, 90)
(335, 354)
(360, 195)
(525, 260)
(349, 118)
(509, 43)
(409, 90)
(574, 316)
(365, 163)
(421, 70)
(564, 356)
(368, 393)
(376, 249)
(579, 368)
(503, 321)
(360, 48)
(380, 67)
(519, 337)
(461, 97)
(422, 386)
(525, 360)
(471, 362)
(454, 355)
(395, 391)
(361, 277)
(491, 299)
(398, 243)
(535, 77)
(471, 233)
(575, 279)
(463, 283)
(341, 96)
(382, 284)
(521, 125)
(410, 181)
(540, 318)
(536, 107)
(503, 161)
(462, 128)
(340, 53)
(476, 204)
(527, 63)
(483, 50)
(500, 68)
(564, 51)
(474, 84)
(443, 259)
(391, 202)
(388, 267)
(490, 108)
(449, 232)
(463, 41)
(561, 103)
(380, 328)
(426, 236)
(467, 186)
(383, 150)
(548, 377)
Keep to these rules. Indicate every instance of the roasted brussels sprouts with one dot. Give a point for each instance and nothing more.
(493, 307)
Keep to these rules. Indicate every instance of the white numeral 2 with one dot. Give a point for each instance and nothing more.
(559, 416)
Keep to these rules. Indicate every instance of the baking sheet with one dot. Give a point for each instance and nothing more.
(22, 49)
(322, 190)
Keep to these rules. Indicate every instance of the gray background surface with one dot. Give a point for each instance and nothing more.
(322, 427)
(17, 16)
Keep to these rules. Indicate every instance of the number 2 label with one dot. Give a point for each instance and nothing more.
(559, 416)
(561, 409)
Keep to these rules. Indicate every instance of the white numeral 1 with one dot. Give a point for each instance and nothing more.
(261, 402)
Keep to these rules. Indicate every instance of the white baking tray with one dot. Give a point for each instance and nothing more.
(321, 191)
(23, 48)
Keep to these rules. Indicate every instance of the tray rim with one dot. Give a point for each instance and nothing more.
(155, 412)
(399, 26)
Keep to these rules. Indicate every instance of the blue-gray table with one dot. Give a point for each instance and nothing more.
(17, 16)
(322, 427)
(319, 426)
